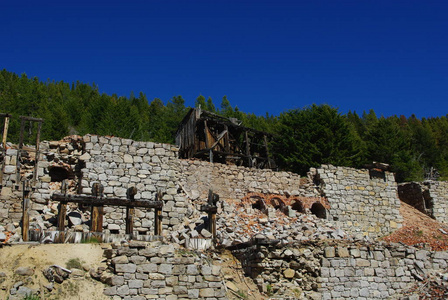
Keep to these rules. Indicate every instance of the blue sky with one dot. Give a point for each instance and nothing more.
(266, 56)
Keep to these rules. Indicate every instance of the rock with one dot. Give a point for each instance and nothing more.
(75, 218)
(24, 271)
(2, 237)
(205, 233)
(230, 285)
(289, 273)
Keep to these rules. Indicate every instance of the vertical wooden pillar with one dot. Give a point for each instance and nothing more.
(249, 158)
(62, 212)
(158, 216)
(5, 134)
(26, 211)
(97, 218)
(36, 159)
(130, 211)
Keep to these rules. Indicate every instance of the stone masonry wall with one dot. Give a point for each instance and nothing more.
(361, 203)
(338, 270)
(234, 182)
(430, 197)
(122, 163)
(438, 192)
(157, 271)
(358, 202)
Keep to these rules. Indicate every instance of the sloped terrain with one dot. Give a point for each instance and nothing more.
(419, 230)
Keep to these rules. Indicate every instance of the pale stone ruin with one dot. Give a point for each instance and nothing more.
(302, 238)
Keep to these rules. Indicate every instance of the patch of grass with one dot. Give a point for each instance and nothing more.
(73, 263)
(419, 233)
(31, 297)
(241, 294)
(92, 240)
(269, 290)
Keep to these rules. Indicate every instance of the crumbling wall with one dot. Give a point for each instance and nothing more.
(430, 197)
(338, 270)
(417, 195)
(362, 202)
(154, 270)
(234, 182)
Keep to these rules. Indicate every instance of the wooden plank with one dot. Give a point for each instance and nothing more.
(158, 216)
(4, 137)
(26, 219)
(62, 212)
(31, 119)
(130, 212)
(91, 200)
(97, 218)
(220, 136)
(36, 159)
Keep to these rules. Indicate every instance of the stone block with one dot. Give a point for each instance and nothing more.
(125, 268)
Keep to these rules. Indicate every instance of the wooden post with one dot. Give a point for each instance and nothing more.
(249, 158)
(19, 151)
(5, 134)
(26, 211)
(158, 216)
(97, 218)
(62, 212)
(267, 151)
(130, 211)
(97, 209)
(36, 158)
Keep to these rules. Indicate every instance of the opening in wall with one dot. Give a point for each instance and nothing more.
(258, 203)
(298, 206)
(319, 210)
(58, 174)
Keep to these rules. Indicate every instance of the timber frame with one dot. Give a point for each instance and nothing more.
(214, 138)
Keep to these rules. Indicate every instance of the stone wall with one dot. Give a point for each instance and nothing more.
(337, 270)
(157, 271)
(122, 163)
(234, 182)
(357, 201)
(362, 202)
(429, 196)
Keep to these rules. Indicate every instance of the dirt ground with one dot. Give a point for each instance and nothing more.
(420, 231)
(40, 257)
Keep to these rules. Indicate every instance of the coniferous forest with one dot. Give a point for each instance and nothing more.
(302, 138)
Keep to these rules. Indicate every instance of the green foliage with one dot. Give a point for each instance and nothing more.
(31, 297)
(74, 263)
(312, 136)
(304, 138)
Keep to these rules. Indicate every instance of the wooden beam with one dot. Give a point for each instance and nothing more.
(130, 211)
(62, 212)
(91, 200)
(158, 216)
(97, 218)
(5, 134)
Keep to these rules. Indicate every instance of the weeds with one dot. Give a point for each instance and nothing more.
(74, 263)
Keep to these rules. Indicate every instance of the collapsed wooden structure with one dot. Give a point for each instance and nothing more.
(211, 137)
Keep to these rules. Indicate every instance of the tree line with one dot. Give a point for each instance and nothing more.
(301, 138)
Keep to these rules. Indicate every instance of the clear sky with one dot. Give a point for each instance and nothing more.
(266, 56)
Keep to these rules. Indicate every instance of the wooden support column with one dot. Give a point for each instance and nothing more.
(62, 212)
(130, 211)
(265, 139)
(97, 218)
(4, 137)
(249, 158)
(158, 216)
(211, 210)
(97, 209)
(36, 159)
(26, 212)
